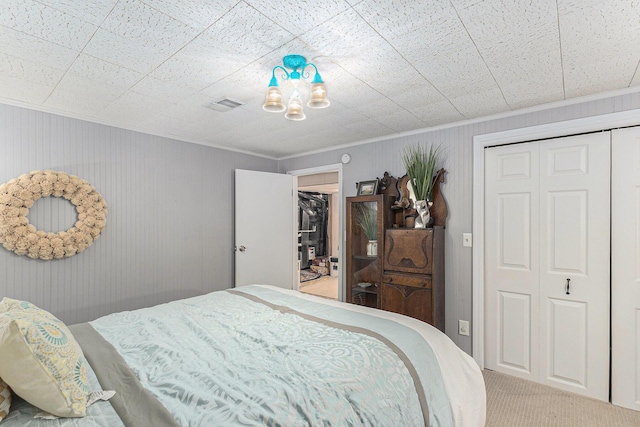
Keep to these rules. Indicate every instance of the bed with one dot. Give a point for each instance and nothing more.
(261, 355)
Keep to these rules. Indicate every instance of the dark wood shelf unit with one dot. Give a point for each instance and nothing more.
(407, 276)
(360, 267)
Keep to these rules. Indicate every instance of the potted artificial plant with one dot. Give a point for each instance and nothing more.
(367, 218)
(421, 164)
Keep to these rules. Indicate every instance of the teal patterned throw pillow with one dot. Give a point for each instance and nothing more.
(41, 360)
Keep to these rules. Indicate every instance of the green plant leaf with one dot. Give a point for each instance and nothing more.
(421, 163)
(367, 219)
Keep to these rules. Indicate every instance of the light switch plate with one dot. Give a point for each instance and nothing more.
(463, 327)
(467, 240)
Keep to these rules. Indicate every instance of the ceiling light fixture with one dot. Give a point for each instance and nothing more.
(297, 64)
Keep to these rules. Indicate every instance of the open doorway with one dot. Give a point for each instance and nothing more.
(319, 233)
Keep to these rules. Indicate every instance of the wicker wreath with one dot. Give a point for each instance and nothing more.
(19, 194)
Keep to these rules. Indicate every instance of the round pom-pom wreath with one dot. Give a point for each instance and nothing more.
(17, 197)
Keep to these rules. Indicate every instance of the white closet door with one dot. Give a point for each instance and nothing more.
(574, 251)
(625, 268)
(546, 220)
(511, 258)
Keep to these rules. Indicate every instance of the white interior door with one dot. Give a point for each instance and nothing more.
(550, 202)
(625, 268)
(511, 260)
(265, 239)
(574, 250)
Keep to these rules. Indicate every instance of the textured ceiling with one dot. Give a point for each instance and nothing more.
(390, 66)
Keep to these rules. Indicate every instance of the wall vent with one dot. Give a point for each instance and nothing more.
(224, 104)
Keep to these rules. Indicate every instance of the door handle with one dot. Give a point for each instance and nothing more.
(568, 286)
(242, 248)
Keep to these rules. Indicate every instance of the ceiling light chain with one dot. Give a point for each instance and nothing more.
(318, 96)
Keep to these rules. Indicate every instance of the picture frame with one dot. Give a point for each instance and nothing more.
(368, 188)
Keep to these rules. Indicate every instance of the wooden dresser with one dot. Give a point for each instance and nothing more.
(413, 277)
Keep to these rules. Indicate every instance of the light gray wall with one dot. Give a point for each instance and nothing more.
(169, 231)
(372, 160)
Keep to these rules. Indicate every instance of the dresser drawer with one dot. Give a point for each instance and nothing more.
(411, 301)
(415, 280)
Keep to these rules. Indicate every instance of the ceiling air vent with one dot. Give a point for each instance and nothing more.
(224, 104)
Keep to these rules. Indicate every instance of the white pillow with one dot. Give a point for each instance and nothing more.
(41, 361)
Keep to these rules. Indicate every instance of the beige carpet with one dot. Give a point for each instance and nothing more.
(325, 286)
(513, 402)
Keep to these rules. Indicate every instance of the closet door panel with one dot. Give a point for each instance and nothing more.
(567, 213)
(514, 222)
(625, 268)
(568, 346)
(515, 331)
(511, 260)
(574, 263)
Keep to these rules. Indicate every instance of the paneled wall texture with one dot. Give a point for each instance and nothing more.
(169, 231)
(371, 160)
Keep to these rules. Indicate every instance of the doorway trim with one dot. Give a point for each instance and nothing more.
(336, 167)
(480, 142)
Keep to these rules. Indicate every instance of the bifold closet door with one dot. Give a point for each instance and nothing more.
(625, 268)
(547, 262)
(512, 265)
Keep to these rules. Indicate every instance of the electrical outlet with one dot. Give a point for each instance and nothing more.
(463, 327)
(467, 240)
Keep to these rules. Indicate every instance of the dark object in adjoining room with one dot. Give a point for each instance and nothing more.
(313, 219)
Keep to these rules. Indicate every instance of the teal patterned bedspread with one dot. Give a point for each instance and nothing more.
(255, 356)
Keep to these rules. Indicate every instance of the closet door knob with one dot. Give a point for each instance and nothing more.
(568, 286)
(242, 248)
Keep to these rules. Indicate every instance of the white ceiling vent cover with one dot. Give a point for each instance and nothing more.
(224, 104)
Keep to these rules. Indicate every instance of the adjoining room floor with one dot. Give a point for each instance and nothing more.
(324, 286)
